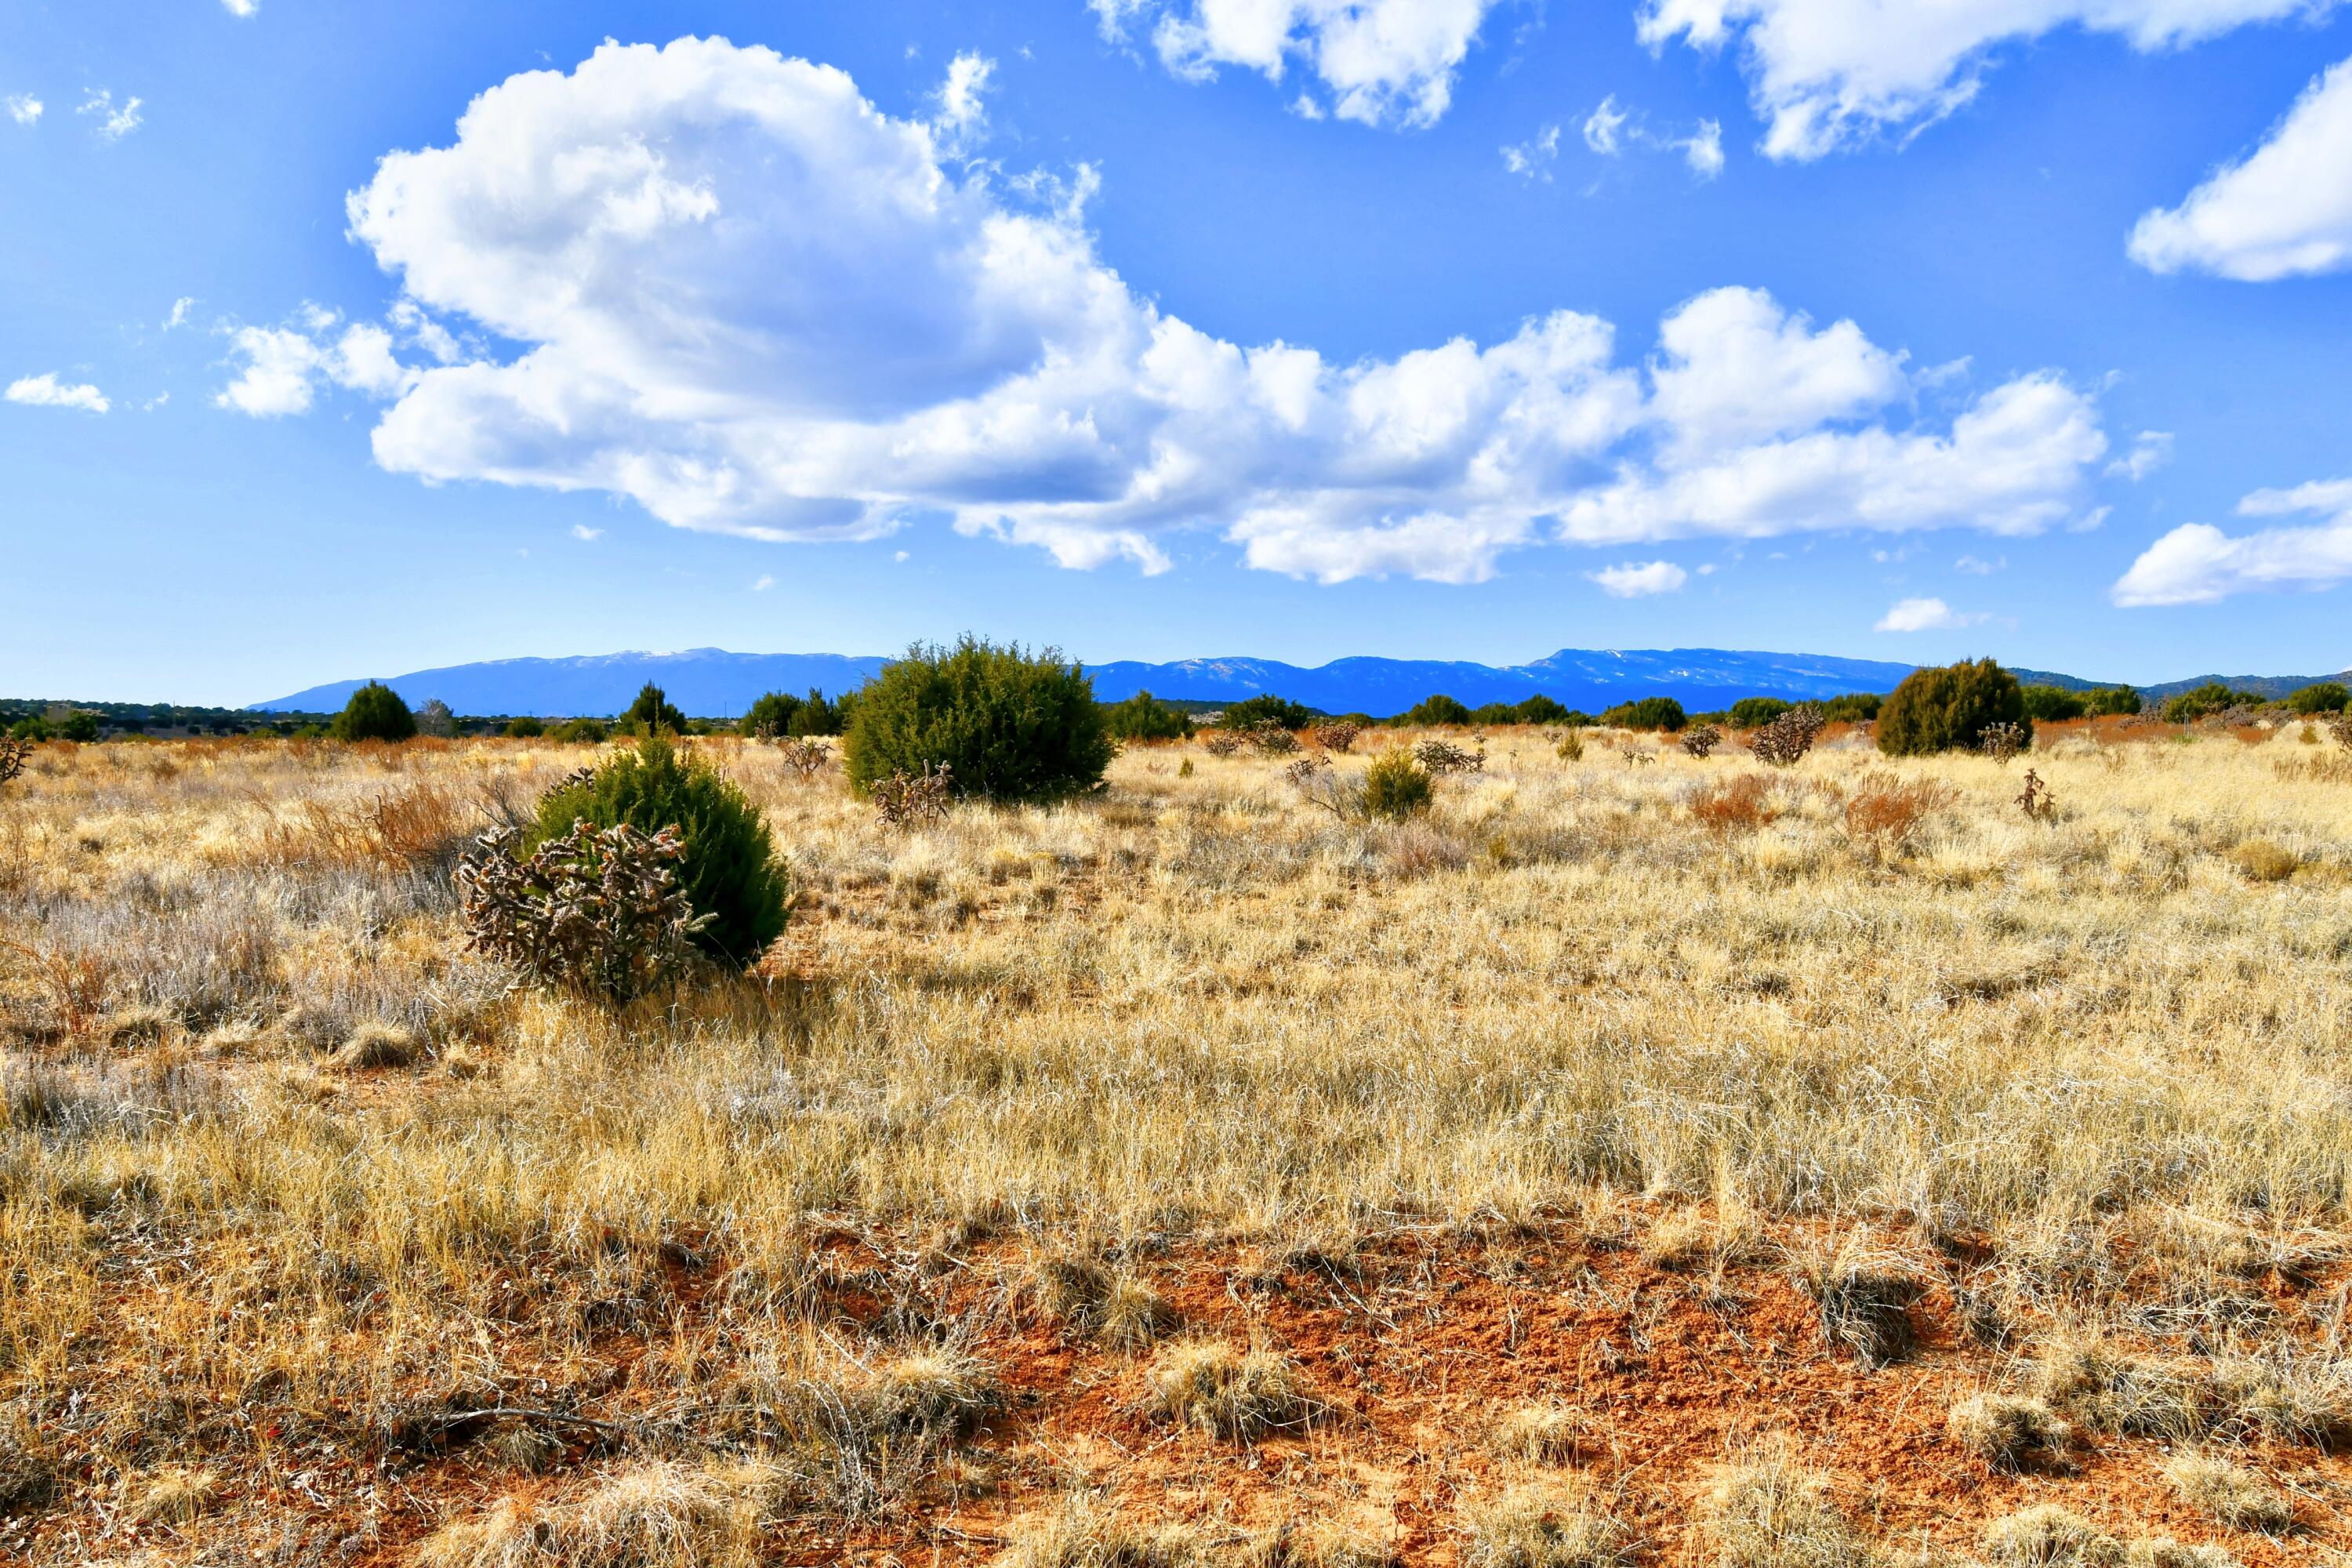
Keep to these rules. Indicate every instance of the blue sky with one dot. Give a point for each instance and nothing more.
(1821, 335)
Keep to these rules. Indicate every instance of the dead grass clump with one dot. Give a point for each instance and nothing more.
(1540, 1433)
(135, 1027)
(1545, 1526)
(937, 1392)
(173, 1495)
(1235, 1395)
(1691, 1236)
(374, 1046)
(2049, 1536)
(1738, 805)
(2006, 1431)
(1090, 1297)
(1132, 1315)
(2163, 1551)
(2116, 1393)
(659, 1516)
(1768, 1512)
(2291, 1395)
(1865, 1305)
(2260, 860)
(1082, 1534)
(1885, 813)
(26, 1480)
(2236, 1496)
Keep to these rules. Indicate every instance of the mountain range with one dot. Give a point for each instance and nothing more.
(711, 682)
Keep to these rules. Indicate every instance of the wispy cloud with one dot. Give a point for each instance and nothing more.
(1924, 616)
(24, 108)
(45, 391)
(113, 123)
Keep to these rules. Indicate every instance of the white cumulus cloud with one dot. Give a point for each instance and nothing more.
(2197, 564)
(113, 123)
(754, 303)
(279, 368)
(1825, 74)
(1383, 61)
(1634, 581)
(1603, 128)
(1923, 616)
(23, 108)
(2283, 210)
(45, 391)
(963, 99)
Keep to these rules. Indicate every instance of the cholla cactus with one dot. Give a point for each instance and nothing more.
(13, 753)
(904, 800)
(2038, 804)
(2000, 742)
(805, 756)
(1701, 739)
(1785, 740)
(1302, 772)
(1441, 757)
(1271, 739)
(1339, 737)
(1221, 744)
(2338, 725)
(598, 910)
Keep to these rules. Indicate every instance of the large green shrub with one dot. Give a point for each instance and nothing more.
(1267, 708)
(1436, 709)
(653, 712)
(1537, 710)
(2052, 703)
(1144, 717)
(525, 727)
(771, 716)
(1853, 707)
(2198, 702)
(574, 731)
(1755, 712)
(1008, 724)
(728, 868)
(374, 712)
(2320, 696)
(1648, 713)
(1950, 708)
(2111, 699)
(1397, 786)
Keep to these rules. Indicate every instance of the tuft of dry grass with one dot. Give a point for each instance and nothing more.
(2262, 860)
(1541, 1525)
(1766, 1510)
(1539, 1432)
(2049, 1536)
(175, 1494)
(2007, 1431)
(653, 1516)
(2236, 1496)
(1237, 1394)
(373, 1045)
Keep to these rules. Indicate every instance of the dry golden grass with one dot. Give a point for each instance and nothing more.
(278, 1155)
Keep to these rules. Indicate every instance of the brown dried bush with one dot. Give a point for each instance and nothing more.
(1884, 812)
(1443, 757)
(1270, 739)
(1339, 737)
(597, 911)
(1221, 745)
(1701, 739)
(1738, 805)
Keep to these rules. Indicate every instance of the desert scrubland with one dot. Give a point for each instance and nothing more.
(1639, 1158)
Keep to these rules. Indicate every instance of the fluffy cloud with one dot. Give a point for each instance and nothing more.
(2197, 564)
(23, 108)
(1611, 132)
(2151, 451)
(45, 391)
(754, 304)
(1632, 581)
(280, 367)
(1923, 616)
(1604, 127)
(1383, 61)
(2283, 210)
(113, 123)
(1828, 73)
(963, 99)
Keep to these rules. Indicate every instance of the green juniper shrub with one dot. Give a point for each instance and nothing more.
(32, 728)
(2110, 700)
(820, 715)
(772, 716)
(728, 868)
(1536, 709)
(2050, 704)
(1853, 707)
(524, 728)
(1397, 786)
(1755, 712)
(1144, 717)
(375, 713)
(1439, 709)
(1950, 708)
(80, 725)
(574, 731)
(651, 713)
(2198, 702)
(2320, 696)
(1252, 713)
(1648, 713)
(1009, 725)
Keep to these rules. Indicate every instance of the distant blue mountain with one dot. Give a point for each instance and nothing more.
(709, 682)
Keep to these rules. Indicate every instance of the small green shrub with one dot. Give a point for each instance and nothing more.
(1950, 708)
(727, 864)
(1537, 710)
(1397, 786)
(2203, 701)
(375, 713)
(2320, 696)
(652, 712)
(771, 717)
(575, 731)
(524, 728)
(80, 725)
(2051, 704)
(1648, 713)
(1755, 712)
(2109, 700)
(1252, 713)
(1008, 724)
(1144, 717)
(1853, 708)
(1438, 709)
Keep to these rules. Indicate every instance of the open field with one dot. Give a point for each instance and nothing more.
(1625, 1163)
